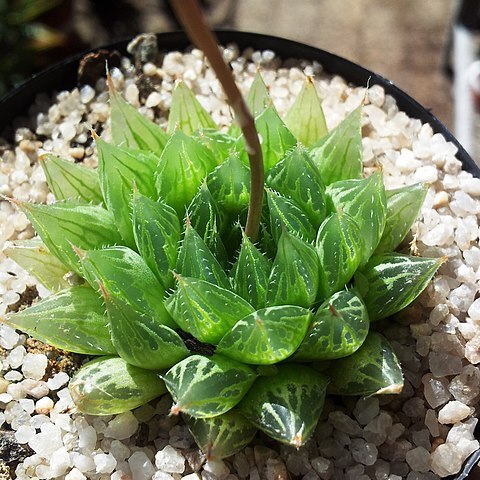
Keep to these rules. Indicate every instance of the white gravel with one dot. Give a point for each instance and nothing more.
(424, 433)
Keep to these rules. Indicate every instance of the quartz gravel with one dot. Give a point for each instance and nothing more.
(424, 433)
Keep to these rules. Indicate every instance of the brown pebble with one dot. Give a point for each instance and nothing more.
(436, 443)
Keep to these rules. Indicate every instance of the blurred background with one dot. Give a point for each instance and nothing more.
(419, 45)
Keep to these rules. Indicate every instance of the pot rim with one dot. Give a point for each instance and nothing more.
(63, 75)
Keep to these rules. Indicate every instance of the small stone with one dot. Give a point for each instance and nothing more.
(59, 462)
(472, 350)
(344, 423)
(34, 365)
(323, 467)
(366, 409)
(67, 130)
(119, 450)
(24, 434)
(141, 466)
(16, 356)
(44, 405)
(170, 460)
(104, 463)
(57, 381)
(419, 459)
(377, 430)
(87, 437)
(431, 423)
(153, 100)
(87, 94)
(363, 452)
(446, 460)
(466, 386)
(75, 474)
(84, 463)
(122, 426)
(443, 364)
(453, 412)
(218, 468)
(162, 476)
(435, 390)
(414, 407)
(474, 310)
(8, 336)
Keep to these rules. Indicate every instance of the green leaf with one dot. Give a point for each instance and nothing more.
(186, 113)
(207, 386)
(131, 129)
(294, 278)
(250, 274)
(73, 319)
(156, 229)
(391, 281)
(296, 177)
(33, 256)
(125, 275)
(109, 385)
(205, 310)
(339, 328)
(403, 207)
(339, 247)
(229, 184)
(305, 119)
(222, 436)
(220, 143)
(365, 201)
(197, 261)
(286, 214)
(275, 138)
(120, 170)
(141, 340)
(181, 170)
(60, 225)
(338, 155)
(267, 336)
(71, 181)
(372, 369)
(206, 218)
(286, 406)
(258, 98)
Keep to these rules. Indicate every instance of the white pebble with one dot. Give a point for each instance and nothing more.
(60, 461)
(216, 467)
(170, 460)
(44, 405)
(131, 95)
(24, 434)
(68, 130)
(122, 426)
(153, 100)
(75, 474)
(104, 463)
(446, 460)
(453, 412)
(8, 336)
(57, 381)
(16, 356)
(141, 466)
(34, 365)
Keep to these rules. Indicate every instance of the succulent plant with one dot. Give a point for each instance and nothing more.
(151, 271)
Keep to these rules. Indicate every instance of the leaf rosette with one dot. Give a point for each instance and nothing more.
(171, 294)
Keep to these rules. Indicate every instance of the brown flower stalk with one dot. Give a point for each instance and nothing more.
(190, 15)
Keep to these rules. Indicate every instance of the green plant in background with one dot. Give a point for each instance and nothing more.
(24, 37)
(171, 294)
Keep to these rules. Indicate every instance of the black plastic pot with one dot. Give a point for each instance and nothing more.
(63, 76)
